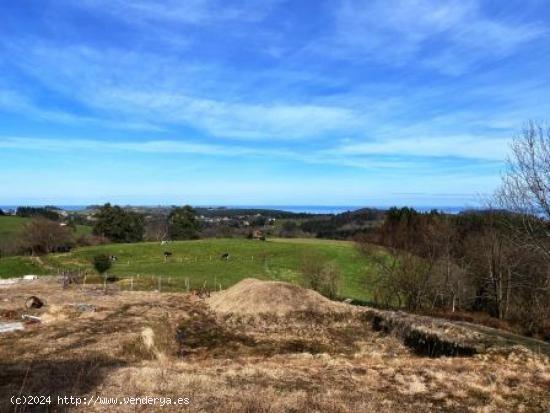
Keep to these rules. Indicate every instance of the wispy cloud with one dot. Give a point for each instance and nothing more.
(448, 36)
(236, 120)
(16, 102)
(150, 146)
(106, 81)
(188, 11)
(412, 154)
(362, 95)
(460, 146)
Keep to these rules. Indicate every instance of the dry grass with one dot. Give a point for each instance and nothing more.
(251, 296)
(171, 345)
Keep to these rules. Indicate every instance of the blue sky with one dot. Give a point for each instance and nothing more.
(340, 102)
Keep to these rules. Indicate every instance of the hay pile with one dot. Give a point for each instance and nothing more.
(251, 296)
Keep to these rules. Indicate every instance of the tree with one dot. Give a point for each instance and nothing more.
(183, 224)
(1, 212)
(41, 236)
(418, 269)
(118, 225)
(156, 228)
(525, 191)
(50, 213)
(102, 263)
(525, 188)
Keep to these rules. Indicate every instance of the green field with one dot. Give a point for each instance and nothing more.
(200, 262)
(18, 266)
(11, 225)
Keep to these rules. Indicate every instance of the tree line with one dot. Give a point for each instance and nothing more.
(120, 225)
(46, 233)
(495, 261)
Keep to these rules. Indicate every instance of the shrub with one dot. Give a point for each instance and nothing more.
(42, 236)
(331, 275)
(321, 276)
(102, 263)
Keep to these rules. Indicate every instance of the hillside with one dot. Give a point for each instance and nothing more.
(276, 356)
(200, 262)
(11, 225)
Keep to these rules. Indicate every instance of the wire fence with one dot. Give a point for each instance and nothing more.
(138, 282)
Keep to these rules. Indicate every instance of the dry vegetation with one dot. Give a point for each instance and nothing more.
(313, 356)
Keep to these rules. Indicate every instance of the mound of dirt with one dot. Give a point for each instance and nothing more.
(251, 296)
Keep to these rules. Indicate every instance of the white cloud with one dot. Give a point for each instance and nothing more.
(187, 11)
(233, 119)
(15, 102)
(150, 146)
(449, 36)
(459, 146)
(396, 155)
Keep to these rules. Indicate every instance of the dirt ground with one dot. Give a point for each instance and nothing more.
(103, 345)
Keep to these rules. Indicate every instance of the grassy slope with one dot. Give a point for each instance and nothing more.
(10, 226)
(18, 266)
(200, 261)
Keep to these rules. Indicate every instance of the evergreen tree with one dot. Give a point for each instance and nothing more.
(119, 225)
(183, 224)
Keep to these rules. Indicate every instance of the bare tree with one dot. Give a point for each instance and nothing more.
(42, 236)
(525, 189)
(156, 228)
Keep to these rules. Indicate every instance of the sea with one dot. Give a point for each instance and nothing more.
(309, 209)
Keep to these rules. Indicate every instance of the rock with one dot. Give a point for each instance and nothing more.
(9, 327)
(34, 302)
(31, 318)
(84, 308)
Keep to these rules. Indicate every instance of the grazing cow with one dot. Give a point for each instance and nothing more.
(113, 258)
(225, 256)
(167, 254)
(163, 242)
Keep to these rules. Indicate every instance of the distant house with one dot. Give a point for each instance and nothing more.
(258, 235)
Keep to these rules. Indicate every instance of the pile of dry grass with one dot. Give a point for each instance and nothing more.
(252, 297)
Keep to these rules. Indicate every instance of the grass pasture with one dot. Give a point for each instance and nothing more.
(17, 266)
(200, 261)
(11, 225)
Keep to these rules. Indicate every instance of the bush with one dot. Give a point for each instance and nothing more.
(42, 236)
(102, 263)
(323, 277)
(90, 240)
(331, 275)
